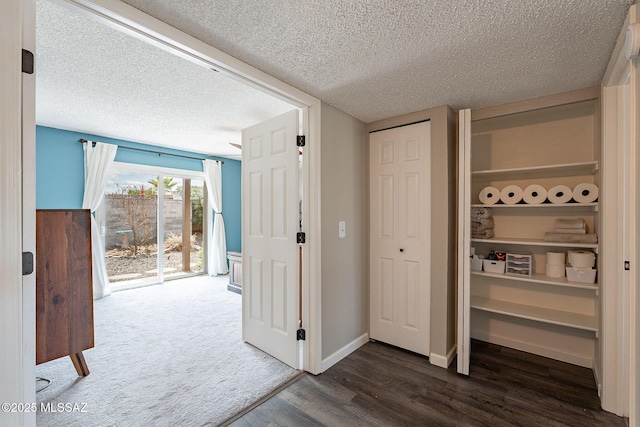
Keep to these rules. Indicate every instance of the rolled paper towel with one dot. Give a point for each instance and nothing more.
(559, 194)
(581, 259)
(534, 194)
(554, 270)
(511, 194)
(555, 258)
(585, 193)
(489, 195)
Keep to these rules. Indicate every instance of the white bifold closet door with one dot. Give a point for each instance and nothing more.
(400, 239)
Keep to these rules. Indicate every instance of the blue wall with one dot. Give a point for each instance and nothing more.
(60, 173)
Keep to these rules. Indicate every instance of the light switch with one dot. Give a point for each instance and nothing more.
(342, 229)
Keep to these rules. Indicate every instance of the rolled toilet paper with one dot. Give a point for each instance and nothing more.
(511, 194)
(554, 270)
(581, 259)
(534, 194)
(555, 258)
(489, 195)
(585, 193)
(559, 194)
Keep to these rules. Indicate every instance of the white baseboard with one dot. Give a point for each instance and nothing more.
(443, 361)
(343, 352)
(552, 353)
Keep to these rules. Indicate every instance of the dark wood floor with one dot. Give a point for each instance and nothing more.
(380, 385)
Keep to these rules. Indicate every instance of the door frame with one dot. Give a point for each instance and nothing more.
(29, 209)
(17, 160)
(619, 320)
(125, 18)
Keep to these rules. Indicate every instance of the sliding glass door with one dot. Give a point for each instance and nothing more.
(182, 221)
(153, 225)
(130, 208)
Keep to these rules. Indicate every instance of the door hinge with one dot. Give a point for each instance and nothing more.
(301, 334)
(627, 265)
(27, 263)
(300, 141)
(301, 237)
(27, 61)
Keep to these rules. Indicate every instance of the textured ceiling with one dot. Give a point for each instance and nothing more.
(93, 79)
(378, 59)
(370, 59)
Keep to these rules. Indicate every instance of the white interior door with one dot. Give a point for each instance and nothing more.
(464, 242)
(400, 237)
(269, 227)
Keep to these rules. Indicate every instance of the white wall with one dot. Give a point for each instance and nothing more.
(345, 262)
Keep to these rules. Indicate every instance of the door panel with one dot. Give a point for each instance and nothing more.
(464, 242)
(269, 247)
(386, 206)
(411, 295)
(387, 274)
(400, 236)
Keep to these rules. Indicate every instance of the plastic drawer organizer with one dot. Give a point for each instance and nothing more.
(519, 264)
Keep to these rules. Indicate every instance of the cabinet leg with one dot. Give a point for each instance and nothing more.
(80, 364)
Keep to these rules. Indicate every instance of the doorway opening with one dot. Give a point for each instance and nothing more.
(204, 55)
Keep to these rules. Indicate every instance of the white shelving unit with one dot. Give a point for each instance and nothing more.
(540, 279)
(533, 242)
(538, 314)
(555, 170)
(557, 144)
(568, 206)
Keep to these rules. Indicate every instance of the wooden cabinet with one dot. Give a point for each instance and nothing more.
(64, 291)
(552, 141)
(235, 272)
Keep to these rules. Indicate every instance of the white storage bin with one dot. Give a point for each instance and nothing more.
(581, 275)
(476, 263)
(491, 266)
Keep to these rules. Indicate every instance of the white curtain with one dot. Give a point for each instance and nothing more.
(97, 163)
(218, 241)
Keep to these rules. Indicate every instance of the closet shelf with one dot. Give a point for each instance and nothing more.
(534, 242)
(558, 170)
(539, 278)
(539, 314)
(569, 206)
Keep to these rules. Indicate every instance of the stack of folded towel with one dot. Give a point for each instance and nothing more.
(482, 223)
(571, 231)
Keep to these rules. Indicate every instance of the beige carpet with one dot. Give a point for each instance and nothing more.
(167, 355)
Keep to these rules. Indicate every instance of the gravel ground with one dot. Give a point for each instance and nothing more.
(121, 263)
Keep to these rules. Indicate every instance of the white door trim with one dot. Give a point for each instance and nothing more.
(464, 243)
(620, 135)
(12, 372)
(29, 211)
(125, 18)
